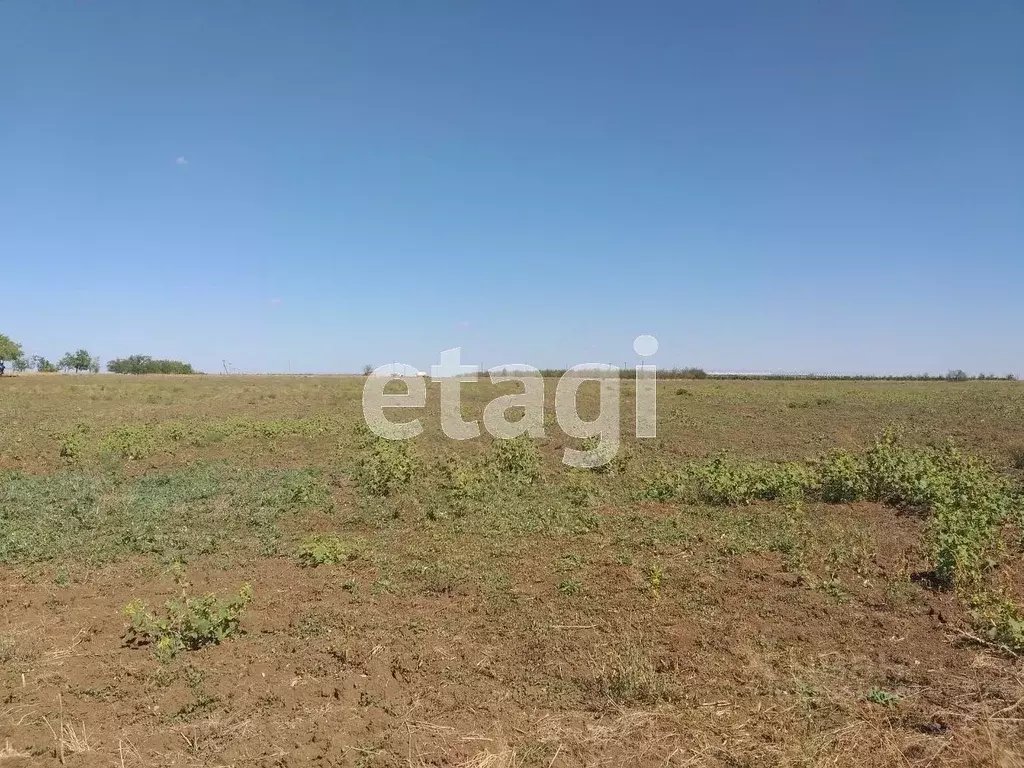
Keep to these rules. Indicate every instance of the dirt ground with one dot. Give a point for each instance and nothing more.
(659, 634)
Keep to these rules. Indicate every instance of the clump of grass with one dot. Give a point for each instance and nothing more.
(629, 678)
(188, 623)
(461, 480)
(326, 549)
(308, 491)
(8, 649)
(579, 490)
(570, 588)
(653, 579)
(884, 698)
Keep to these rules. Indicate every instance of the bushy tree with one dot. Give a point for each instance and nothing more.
(41, 364)
(9, 350)
(20, 364)
(139, 364)
(76, 361)
(957, 375)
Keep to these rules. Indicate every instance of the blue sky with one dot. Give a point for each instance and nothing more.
(311, 186)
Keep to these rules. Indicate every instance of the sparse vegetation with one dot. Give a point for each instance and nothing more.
(326, 549)
(747, 552)
(386, 466)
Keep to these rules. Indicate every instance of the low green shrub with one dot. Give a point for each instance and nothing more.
(658, 484)
(609, 458)
(386, 466)
(517, 459)
(72, 442)
(326, 549)
(841, 478)
(727, 482)
(1001, 620)
(189, 623)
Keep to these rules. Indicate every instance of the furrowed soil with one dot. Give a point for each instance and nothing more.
(485, 612)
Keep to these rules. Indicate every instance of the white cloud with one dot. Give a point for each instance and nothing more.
(274, 302)
(181, 161)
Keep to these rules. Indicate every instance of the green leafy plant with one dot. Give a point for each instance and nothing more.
(841, 477)
(1001, 620)
(724, 481)
(879, 696)
(326, 549)
(72, 442)
(570, 588)
(608, 458)
(884, 698)
(188, 623)
(658, 484)
(517, 459)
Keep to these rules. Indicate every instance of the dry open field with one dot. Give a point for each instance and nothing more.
(479, 604)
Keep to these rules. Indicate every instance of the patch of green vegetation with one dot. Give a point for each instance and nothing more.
(72, 442)
(386, 466)
(608, 458)
(199, 509)
(130, 442)
(725, 481)
(1001, 620)
(570, 588)
(517, 459)
(327, 549)
(884, 698)
(188, 623)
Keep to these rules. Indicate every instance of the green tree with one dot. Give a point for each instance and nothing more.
(41, 364)
(20, 364)
(9, 350)
(139, 364)
(76, 361)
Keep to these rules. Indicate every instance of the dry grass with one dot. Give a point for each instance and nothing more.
(10, 753)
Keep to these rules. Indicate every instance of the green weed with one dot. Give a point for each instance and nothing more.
(386, 466)
(187, 624)
(517, 459)
(326, 549)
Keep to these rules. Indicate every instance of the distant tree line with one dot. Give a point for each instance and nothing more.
(77, 361)
(700, 373)
(81, 360)
(138, 364)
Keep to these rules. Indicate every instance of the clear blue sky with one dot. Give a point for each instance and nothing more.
(798, 186)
